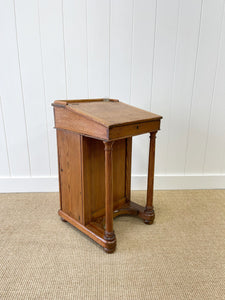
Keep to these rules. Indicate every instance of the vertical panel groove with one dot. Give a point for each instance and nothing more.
(4, 130)
(132, 47)
(98, 47)
(165, 57)
(44, 87)
(87, 47)
(214, 84)
(173, 81)
(21, 84)
(153, 59)
(193, 85)
(64, 49)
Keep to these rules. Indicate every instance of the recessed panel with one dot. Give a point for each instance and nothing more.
(94, 175)
(70, 173)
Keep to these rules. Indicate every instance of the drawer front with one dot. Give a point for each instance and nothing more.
(133, 129)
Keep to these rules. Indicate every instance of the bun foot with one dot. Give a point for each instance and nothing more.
(63, 220)
(110, 239)
(149, 215)
(109, 250)
(148, 222)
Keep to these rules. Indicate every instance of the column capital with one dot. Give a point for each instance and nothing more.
(108, 145)
(152, 134)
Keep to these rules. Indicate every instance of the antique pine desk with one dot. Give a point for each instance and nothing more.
(94, 139)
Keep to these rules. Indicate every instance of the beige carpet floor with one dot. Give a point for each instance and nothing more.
(180, 256)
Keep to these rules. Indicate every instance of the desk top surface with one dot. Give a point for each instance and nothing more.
(109, 112)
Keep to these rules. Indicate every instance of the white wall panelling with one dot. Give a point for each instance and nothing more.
(4, 158)
(54, 77)
(31, 67)
(182, 84)
(144, 21)
(163, 56)
(121, 29)
(144, 18)
(98, 47)
(167, 21)
(204, 81)
(12, 99)
(75, 44)
(215, 149)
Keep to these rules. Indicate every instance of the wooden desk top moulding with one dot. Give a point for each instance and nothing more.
(94, 140)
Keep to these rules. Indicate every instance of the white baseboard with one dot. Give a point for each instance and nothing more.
(29, 184)
(180, 182)
(139, 182)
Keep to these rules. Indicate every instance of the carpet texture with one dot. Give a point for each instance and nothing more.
(180, 256)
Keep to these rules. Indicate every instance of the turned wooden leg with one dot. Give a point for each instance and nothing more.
(149, 211)
(109, 235)
(128, 167)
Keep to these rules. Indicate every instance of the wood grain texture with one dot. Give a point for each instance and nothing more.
(113, 113)
(119, 155)
(94, 174)
(151, 167)
(107, 120)
(133, 209)
(93, 177)
(59, 172)
(89, 230)
(64, 102)
(149, 211)
(109, 234)
(133, 129)
(67, 119)
(128, 167)
(70, 174)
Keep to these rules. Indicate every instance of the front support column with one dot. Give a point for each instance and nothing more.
(149, 213)
(109, 235)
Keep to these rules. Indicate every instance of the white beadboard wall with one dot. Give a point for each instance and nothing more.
(164, 56)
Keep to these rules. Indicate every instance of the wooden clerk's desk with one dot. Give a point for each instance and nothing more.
(94, 140)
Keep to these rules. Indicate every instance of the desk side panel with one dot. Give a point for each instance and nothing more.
(69, 156)
(69, 120)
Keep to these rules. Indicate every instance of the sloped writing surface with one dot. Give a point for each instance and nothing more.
(112, 113)
(105, 119)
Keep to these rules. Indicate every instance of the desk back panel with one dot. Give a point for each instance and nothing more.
(94, 176)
